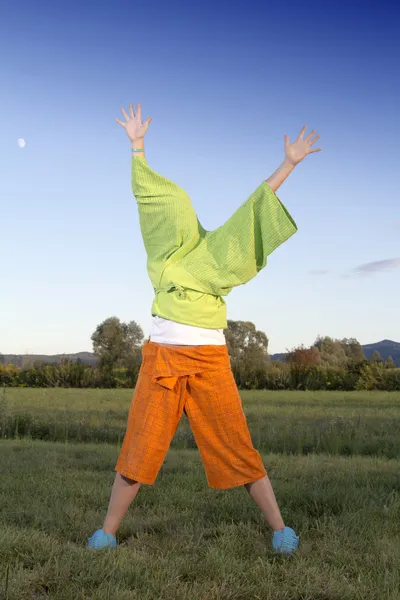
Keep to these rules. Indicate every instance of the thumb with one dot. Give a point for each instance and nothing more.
(147, 122)
(287, 141)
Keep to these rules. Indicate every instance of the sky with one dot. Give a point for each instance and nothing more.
(223, 83)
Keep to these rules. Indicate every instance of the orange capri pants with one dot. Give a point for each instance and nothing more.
(197, 381)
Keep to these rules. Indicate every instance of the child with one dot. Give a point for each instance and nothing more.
(186, 367)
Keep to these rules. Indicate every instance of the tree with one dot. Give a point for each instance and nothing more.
(248, 350)
(116, 343)
(331, 351)
(304, 357)
(243, 339)
(353, 350)
(304, 363)
(390, 364)
(376, 357)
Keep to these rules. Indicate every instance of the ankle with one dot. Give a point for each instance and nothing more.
(109, 533)
(109, 529)
(278, 525)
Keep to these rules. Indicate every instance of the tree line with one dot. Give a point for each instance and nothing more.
(328, 364)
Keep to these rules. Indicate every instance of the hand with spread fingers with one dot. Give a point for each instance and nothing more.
(301, 148)
(133, 125)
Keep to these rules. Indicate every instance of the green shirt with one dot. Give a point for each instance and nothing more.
(191, 269)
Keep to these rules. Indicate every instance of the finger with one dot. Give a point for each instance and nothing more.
(287, 141)
(147, 122)
(139, 112)
(302, 132)
(131, 110)
(120, 122)
(308, 138)
(311, 142)
(124, 113)
(314, 150)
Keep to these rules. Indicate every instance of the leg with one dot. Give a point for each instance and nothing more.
(285, 539)
(263, 495)
(154, 415)
(124, 491)
(215, 412)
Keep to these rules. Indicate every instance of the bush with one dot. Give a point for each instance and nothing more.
(261, 375)
(68, 375)
(392, 380)
(9, 376)
(375, 376)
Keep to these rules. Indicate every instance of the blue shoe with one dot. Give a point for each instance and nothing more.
(285, 541)
(101, 540)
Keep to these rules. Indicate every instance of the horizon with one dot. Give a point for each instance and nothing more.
(91, 351)
(223, 85)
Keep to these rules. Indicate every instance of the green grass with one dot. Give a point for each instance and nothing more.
(337, 423)
(333, 458)
(183, 541)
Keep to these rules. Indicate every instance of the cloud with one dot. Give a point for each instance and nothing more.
(372, 268)
(318, 272)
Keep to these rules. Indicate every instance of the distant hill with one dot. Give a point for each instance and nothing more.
(385, 348)
(279, 357)
(27, 360)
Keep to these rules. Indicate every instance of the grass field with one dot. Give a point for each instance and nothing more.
(182, 540)
(343, 423)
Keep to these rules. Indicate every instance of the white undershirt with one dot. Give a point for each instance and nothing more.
(164, 331)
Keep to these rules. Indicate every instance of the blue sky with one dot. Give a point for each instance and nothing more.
(223, 83)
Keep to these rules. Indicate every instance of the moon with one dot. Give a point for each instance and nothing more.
(21, 143)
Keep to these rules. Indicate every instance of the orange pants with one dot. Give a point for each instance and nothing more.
(197, 381)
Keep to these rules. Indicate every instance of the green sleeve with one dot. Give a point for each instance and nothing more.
(235, 252)
(167, 218)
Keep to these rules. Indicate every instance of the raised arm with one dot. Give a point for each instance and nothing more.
(294, 153)
(135, 129)
(168, 221)
(238, 250)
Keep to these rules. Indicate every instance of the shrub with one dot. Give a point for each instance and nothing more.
(302, 374)
(375, 376)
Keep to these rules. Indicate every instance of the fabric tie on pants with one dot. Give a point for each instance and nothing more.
(193, 361)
